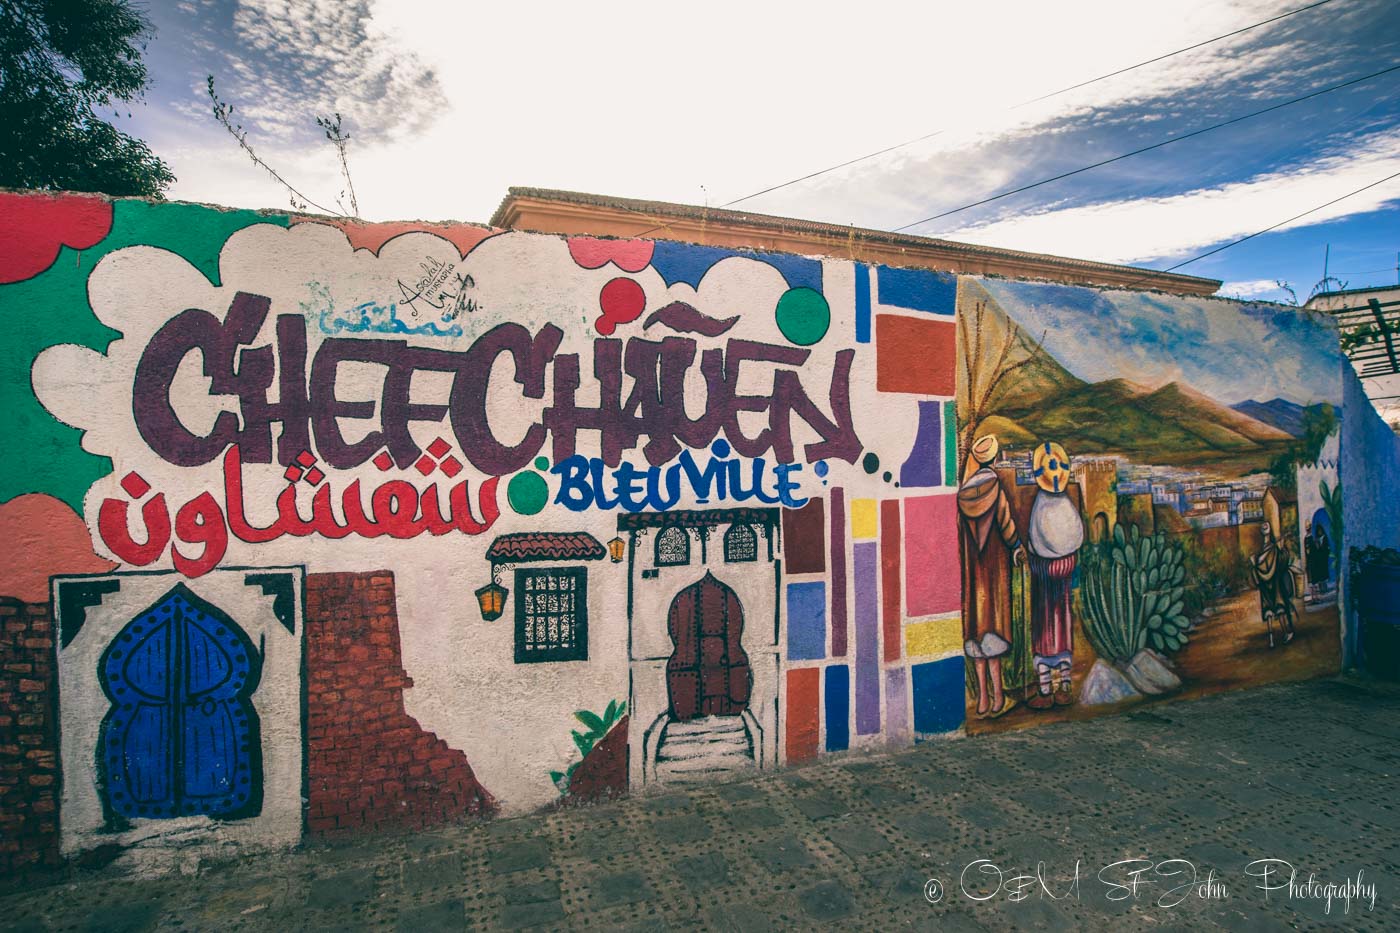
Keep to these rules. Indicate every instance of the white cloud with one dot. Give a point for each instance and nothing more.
(1252, 289)
(296, 59)
(1140, 229)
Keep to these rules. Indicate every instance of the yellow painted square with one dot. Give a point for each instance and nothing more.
(864, 518)
(934, 636)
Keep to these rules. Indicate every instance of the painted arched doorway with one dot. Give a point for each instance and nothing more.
(708, 672)
(181, 737)
(1319, 551)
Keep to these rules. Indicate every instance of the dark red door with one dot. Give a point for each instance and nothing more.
(708, 673)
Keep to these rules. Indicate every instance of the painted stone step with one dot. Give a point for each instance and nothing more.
(693, 777)
(708, 724)
(715, 764)
(690, 746)
(703, 744)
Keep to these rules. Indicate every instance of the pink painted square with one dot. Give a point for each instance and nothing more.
(932, 576)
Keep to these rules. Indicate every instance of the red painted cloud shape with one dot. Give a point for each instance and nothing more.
(33, 227)
(593, 253)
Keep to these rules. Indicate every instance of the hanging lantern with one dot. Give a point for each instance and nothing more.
(492, 599)
(617, 548)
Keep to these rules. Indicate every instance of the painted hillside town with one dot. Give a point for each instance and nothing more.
(991, 531)
(1136, 580)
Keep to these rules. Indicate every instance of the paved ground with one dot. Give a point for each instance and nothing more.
(1304, 773)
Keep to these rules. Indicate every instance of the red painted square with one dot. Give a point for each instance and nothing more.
(932, 573)
(439, 447)
(451, 466)
(890, 617)
(425, 464)
(306, 458)
(803, 722)
(915, 356)
(293, 474)
(314, 476)
(383, 461)
(135, 485)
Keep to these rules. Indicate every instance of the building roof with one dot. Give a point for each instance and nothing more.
(572, 212)
(1349, 292)
(525, 546)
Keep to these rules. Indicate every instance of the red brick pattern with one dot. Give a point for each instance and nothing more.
(602, 775)
(369, 764)
(28, 739)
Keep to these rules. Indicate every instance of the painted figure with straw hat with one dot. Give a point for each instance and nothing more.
(1056, 533)
(990, 547)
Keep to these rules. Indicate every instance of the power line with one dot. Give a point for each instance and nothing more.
(1220, 249)
(1157, 145)
(1063, 90)
(1033, 100)
(1150, 61)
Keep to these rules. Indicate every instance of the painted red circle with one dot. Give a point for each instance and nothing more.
(622, 300)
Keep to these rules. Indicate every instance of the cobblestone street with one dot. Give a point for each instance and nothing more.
(1304, 773)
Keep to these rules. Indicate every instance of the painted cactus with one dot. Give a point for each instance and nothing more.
(1134, 595)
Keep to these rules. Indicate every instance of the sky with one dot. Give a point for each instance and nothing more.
(449, 104)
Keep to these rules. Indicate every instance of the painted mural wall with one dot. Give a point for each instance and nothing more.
(318, 527)
(1149, 501)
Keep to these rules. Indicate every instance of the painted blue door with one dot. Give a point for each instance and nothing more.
(181, 737)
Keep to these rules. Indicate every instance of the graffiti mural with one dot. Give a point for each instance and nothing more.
(525, 519)
(335, 527)
(1135, 523)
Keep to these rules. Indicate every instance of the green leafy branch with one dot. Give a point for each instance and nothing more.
(598, 728)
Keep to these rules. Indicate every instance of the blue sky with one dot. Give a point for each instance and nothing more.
(449, 104)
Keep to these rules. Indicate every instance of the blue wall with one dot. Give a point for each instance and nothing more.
(1370, 478)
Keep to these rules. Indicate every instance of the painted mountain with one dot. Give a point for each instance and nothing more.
(1171, 423)
(1281, 413)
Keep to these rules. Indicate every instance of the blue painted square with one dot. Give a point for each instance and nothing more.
(938, 695)
(838, 708)
(918, 290)
(862, 303)
(806, 621)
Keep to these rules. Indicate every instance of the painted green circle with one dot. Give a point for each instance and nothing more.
(803, 316)
(527, 493)
(542, 463)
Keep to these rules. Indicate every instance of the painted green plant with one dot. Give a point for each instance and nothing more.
(598, 728)
(1134, 595)
(1332, 503)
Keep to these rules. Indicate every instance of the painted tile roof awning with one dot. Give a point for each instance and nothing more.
(697, 518)
(525, 546)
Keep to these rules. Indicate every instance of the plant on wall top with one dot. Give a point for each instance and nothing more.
(598, 728)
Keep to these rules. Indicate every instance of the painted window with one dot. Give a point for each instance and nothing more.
(740, 544)
(182, 736)
(672, 547)
(551, 614)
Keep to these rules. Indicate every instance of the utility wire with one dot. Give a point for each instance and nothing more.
(1220, 249)
(1035, 100)
(1157, 145)
(1150, 61)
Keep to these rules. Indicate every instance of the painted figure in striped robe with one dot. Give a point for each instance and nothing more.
(1056, 533)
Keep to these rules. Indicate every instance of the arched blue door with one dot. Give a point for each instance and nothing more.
(181, 737)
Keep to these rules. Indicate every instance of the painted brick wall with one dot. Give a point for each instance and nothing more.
(369, 764)
(28, 739)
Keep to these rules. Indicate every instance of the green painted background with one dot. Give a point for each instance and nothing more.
(41, 454)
